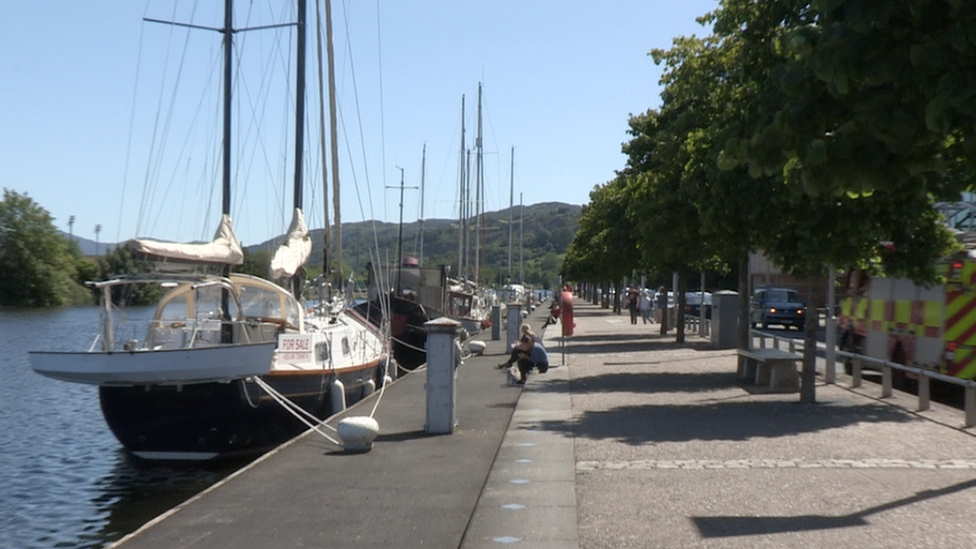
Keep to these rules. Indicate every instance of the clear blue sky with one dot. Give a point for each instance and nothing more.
(87, 115)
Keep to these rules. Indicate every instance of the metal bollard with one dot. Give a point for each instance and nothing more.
(924, 393)
(886, 380)
(970, 406)
(856, 373)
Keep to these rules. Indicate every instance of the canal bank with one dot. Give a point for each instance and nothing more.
(635, 442)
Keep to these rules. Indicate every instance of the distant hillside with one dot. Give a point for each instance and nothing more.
(549, 227)
(90, 247)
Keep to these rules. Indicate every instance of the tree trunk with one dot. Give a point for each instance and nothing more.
(808, 377)
(745, 340)
(679, 302)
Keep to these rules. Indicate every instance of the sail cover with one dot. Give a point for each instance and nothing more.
(225, 249)
(291, 255)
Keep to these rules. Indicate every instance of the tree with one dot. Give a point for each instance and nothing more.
(38, 269)
(605, 246)
(120, 261)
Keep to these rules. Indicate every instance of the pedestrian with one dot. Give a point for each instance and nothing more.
(632, 305)
(645, 306)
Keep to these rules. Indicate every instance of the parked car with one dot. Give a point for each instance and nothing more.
(692, 304)
(777, 306)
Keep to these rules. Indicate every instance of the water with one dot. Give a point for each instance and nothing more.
(65, 481)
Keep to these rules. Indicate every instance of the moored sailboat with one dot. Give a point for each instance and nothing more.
(223, 351)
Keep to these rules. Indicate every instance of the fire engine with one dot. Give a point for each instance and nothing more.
(928, 327)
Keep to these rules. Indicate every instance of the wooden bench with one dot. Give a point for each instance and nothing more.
(773, 367)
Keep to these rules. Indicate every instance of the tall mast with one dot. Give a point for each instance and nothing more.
(326, 229)
(299, 103)
(479, 192)
(333, 136)
(511, 211)
(521, 222)
(297, 280)
(228, 32)
(423, 173)
(461, 198)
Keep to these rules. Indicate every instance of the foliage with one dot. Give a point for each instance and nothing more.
(860, 123)
(36, 261)
(120, 261)
(606, 244)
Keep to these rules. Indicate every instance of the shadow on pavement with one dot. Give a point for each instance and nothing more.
(720, 527)
(718, 420)
(629, 343)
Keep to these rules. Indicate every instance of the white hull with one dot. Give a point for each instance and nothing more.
(159, 367)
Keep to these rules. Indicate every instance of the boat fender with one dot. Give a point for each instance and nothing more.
(369, 387)
(337, 396)
(358, 433)
(477, 347)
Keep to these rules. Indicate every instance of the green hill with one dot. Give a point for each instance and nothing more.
(549, 227)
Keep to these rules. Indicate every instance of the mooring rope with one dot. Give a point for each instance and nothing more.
(294, 410)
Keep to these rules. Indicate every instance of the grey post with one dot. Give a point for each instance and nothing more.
(496, 322)
(442, 359)
(513, 323)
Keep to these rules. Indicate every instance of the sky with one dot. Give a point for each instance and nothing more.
(116, 121)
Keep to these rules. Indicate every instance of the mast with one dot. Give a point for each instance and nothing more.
(521, 222)
(479, 192)
(400, 232)
(299, 103)
(461, 198)
(511, 211)
(228, 32)
(423, 173)
(297, 280)
(333, 136)
(326, 229)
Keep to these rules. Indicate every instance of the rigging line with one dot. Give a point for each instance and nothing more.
(379, 55)
(132, 118)
(147, 176)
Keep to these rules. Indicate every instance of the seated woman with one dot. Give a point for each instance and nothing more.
(526, 330)
(531, 355)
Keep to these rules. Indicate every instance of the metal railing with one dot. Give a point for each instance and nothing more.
(887, 368)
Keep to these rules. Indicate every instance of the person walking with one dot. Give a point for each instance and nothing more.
(645, 306)
(632, 304)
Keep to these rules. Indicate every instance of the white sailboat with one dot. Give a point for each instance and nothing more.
(222, 350)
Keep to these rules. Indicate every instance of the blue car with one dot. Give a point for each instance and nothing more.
(781, 306)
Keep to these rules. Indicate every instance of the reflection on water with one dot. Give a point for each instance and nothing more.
(66, 480)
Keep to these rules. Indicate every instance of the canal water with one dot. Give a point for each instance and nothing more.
(65, 481)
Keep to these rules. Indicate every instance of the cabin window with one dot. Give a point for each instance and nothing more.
(345, 346)
(322, 352)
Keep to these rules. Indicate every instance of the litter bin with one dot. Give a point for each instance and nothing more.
(725, 319)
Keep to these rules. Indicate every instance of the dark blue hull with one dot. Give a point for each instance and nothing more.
(222, 420)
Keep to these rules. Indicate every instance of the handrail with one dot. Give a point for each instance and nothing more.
(925, 376)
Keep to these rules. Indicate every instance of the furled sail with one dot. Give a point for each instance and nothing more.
(291, 255)
(225, 249)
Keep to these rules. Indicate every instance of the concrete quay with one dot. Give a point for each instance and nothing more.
(634, 442)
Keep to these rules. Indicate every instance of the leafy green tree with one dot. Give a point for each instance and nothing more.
(38, 269)
(606, 243)
(120, 262)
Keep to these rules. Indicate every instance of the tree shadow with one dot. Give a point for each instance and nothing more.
(628, 343)
(719, 420)
(720, 527)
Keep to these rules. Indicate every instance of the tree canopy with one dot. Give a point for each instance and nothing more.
(36, 260)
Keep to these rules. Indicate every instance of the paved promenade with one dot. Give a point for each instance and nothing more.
(635, 442)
